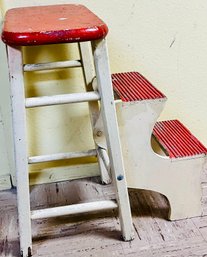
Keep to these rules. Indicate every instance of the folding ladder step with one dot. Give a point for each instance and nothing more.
(61, 156)
(61, 99)
(132, 86)
(177, 140)
(74, 209)
(52, 65)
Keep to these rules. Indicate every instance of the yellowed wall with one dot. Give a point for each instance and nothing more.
(164, 40)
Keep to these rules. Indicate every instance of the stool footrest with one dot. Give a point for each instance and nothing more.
(61, 156)
(52, 65)
(61, 99)
(74, 209)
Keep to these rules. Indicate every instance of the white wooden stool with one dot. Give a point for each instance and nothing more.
(57, 24)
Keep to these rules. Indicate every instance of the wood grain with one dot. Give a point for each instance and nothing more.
(99, 234)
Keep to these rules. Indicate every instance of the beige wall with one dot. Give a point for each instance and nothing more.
(164, 40)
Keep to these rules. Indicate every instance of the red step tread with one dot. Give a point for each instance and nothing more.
(177, 140)
(132, 86)
(53, 24)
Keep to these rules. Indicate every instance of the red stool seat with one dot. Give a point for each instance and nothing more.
(51, 25)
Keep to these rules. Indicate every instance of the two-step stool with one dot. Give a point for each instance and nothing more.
(58, 24)
(177, 172)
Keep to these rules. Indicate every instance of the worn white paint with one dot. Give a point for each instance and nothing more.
(20, 147)
(5, 180)
(52, 65)
(111, 131)
(61, 156)
(6, 144)
(61, 99)
(44, 175)
(73, 209)
(94, 110)
(178, 179)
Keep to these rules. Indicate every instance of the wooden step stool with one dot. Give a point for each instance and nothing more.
(175, 172)
(57, 24)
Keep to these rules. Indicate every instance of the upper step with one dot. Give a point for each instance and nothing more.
(132, 86)
(177, 140)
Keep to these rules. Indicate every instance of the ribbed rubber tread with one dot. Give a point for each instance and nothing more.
(132, 86)
(177, 140)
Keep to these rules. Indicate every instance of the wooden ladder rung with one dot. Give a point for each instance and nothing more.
(74, 209)
(52, 65)
(61, 99)
(61, 156)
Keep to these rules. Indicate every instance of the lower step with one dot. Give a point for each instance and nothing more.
(176, 140)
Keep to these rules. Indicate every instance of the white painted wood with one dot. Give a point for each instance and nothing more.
(99, 135)
(20, 148)
(74, 209)
(89, 77)
(61, 156)
(52, 65)
(178, 179)
(5, 169)
(100, 140)
(112, 136)
(61, 99)
(65, 173)
(5, 182)
(6, 140)
(104, 163)
(104, 156)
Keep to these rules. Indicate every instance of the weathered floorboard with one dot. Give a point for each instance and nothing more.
(99, 234)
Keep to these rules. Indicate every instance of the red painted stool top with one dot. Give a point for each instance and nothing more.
(39, 25)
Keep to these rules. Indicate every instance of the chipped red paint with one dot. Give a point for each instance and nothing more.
(132, 86)
(51, 25)
(177, 140)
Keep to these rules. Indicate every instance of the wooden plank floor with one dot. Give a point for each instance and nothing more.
(98, 234)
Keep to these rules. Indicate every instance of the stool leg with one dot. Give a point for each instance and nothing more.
(112, 135)
(20, 148)
(89, 74)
